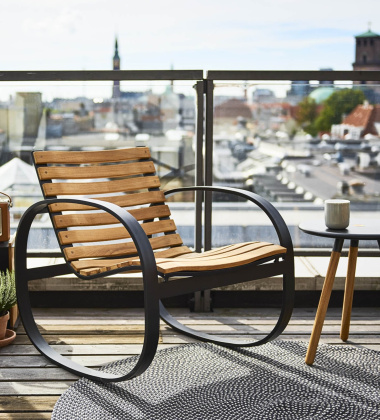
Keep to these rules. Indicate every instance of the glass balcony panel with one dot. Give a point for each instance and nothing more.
(92, 116)
(297, 144)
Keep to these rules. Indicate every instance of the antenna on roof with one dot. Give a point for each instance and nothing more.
(369, 26)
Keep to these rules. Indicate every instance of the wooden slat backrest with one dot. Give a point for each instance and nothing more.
(125, 177)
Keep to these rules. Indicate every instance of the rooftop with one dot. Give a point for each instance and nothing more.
(368, 34)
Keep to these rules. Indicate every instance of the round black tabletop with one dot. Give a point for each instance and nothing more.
(364, 229)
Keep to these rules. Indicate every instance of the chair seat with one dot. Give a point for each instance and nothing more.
(181, 259)
(219, 258)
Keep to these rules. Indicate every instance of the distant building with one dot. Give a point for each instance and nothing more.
(320, 94)
(363, 120)
(232, 109)
(144, 111)
(298, 90)
(21, 119)
(263, 96)
(367, 57)
(367, 51)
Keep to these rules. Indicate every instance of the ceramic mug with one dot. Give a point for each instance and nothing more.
(337, 214)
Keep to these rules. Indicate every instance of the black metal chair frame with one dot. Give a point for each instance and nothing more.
(154, 291)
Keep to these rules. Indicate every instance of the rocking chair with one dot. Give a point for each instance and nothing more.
(101, 236)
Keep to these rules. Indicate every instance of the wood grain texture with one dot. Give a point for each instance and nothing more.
(202, 263)
(115, 250)
(85, 264)
(322, 307)
(27, 403)
(95, 171)
(102, 218)
(72, 157)
(106, 187)
(112, 234)
(349, 292)
(125, 200)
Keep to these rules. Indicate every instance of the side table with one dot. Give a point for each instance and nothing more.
(358, 230)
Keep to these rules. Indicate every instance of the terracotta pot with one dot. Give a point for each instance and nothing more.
(3, 325)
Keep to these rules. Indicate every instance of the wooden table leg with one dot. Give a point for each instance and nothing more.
(349, 290)
(324, 301)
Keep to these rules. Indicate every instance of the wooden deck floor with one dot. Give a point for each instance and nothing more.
(30, 385)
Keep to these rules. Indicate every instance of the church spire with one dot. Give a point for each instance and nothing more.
(116, 56)
(116, 66)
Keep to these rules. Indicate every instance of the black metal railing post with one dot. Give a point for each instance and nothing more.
(199, 165)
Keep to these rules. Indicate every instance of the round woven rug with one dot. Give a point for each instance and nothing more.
(205, 381)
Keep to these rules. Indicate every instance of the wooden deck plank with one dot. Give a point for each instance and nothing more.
(41, 361)
(35, 374)
(26, 415)
(12, 388)
(80, 349)
(22, 403)
(86, 339)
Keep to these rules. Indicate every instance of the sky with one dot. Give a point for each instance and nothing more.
(201, 34)
(208, 34)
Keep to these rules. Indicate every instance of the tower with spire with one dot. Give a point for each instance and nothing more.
(367, 51)
(116, 66)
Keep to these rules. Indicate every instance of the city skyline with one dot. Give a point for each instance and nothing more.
(276, 35)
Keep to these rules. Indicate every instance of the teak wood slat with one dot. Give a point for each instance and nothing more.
(98, 219)
(204, 264)
(223, 250)
(107, 187)
(112, 234)
(125, 200)
(232, 252)
(97, 171)
(101, 156)
(96, 251)
(168, 253)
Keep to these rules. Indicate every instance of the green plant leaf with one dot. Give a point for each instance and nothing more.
(7, 291)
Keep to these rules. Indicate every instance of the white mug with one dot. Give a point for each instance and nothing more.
(337, 214)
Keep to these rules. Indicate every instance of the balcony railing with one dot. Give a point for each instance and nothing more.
(228, 127)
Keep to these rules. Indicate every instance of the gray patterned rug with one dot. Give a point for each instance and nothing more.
(205, 381)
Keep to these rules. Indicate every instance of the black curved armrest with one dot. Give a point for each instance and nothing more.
(287, 268)
(149, 272)
(138, 235)
(268, 208)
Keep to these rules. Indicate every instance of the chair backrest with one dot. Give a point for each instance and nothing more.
(125, 177)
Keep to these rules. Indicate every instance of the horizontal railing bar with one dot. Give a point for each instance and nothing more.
(99, 75)
(324, 75)
(151, 75)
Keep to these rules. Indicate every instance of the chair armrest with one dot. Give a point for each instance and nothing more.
(149, 272)
(268, 208)
(139, 237)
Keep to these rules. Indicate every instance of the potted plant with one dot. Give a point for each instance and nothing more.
(7, 300)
